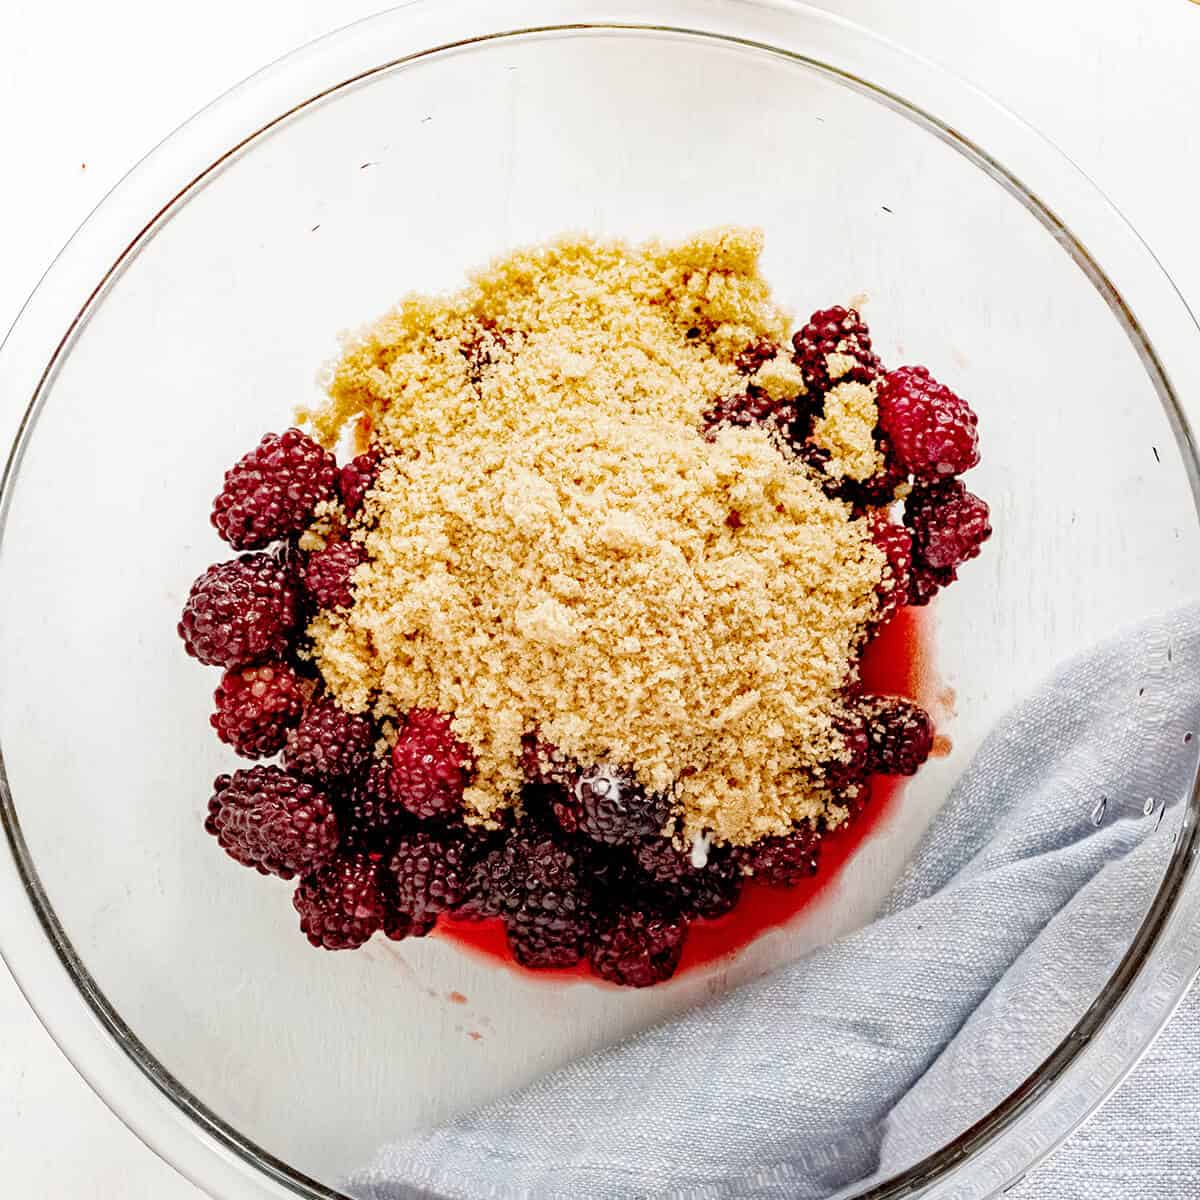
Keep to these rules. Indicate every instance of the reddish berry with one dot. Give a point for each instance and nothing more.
(327, 574)
(900, 732)
(609, 805)
(273, 490)
(430, 766)
(896, 543)
(241, 612)
(638, 948)
(948, 523)
(782, 861)
(330, 744)
(932, 430)
(341, 905)
(269, 820)
(834, 331)
(431, 875)
(357, 478)
(256, 706)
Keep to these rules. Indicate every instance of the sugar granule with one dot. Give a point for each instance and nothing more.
(553, 545)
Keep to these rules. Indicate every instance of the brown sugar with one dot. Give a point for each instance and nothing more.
(846, 429)
(553, 545)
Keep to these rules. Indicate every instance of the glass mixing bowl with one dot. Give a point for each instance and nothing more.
(193, 311)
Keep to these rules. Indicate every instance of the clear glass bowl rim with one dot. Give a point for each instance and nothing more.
(1157, 969)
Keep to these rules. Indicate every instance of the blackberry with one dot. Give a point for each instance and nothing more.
(782, 861)
(639, 947)
(662, 860)
(713, 891)
(540, 942)
(241, 612)
(932, 430)
(430, 766)
(611, 873)
(755, 355)
(356, 479)
(327, 574)
(948, 524)
(709, 891)
(751, 408)
(607, 804)
(330, 744)
(267, 819)
(879, 491)
(816, 459)
(925, 582)
(544, 764)
(370, 816)
(494, 884)
(538, 887)
(431, 875)
(855, 799)
(341, 905)
(273, 490)
(255, 708)
(900, 732)
(854, 764)
(834, 331)
(398, 925)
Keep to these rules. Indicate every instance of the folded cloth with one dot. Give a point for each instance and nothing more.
(858, 1060)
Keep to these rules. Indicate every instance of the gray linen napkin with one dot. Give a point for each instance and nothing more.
(871, 1052)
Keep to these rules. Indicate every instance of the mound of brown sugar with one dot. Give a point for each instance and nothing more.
(554, 545)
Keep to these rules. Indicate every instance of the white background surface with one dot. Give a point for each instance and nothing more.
(85, 89)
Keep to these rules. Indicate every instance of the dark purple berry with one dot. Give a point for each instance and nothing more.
(900, 734)
(330, 744)
(241, 612)
(834, 331)
(606, 803)
(638, 948)
(782, 861)
(431, 875)
(273, 822)
(328, 572)
(370, 816)
(272, 491)
(341, 905)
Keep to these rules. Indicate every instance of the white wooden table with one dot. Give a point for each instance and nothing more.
(85, 89)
